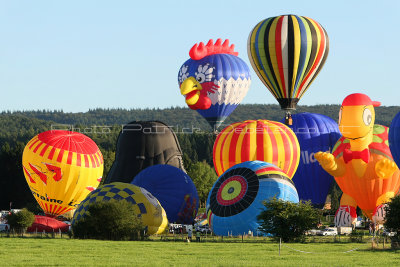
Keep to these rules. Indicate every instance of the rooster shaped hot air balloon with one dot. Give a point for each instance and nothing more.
(214, 80)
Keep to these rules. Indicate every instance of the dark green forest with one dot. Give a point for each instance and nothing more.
(104, 125)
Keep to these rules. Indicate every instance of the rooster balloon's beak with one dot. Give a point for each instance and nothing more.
(191, 89)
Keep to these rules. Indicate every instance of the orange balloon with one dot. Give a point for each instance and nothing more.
(263, 140)
(370, 190)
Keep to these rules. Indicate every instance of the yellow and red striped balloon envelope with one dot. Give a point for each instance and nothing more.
(287, 53)
(263, 140)
(61, 169)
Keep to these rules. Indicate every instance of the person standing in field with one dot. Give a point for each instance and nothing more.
(190, 234)
(198, 234)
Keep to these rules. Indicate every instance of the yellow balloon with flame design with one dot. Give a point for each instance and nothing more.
(61, 169)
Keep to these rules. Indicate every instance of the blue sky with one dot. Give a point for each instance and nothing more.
(78, 55)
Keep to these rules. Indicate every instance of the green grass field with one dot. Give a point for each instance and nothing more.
(71, 252)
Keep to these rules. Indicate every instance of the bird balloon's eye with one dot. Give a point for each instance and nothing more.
(367, 116)
(200, 77)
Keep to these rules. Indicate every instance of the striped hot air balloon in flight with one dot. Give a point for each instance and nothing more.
(61, 169)
(263, 140)
(287, 53)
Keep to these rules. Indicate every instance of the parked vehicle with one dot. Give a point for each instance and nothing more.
(387, 233)
(328, 231)
(204, 229)
(344, 230)
(313, 232)
(4, 227)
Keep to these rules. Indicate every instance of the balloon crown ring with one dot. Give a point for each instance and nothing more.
(199, 51)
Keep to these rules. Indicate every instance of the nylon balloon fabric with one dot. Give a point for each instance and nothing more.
(214, 80)
(48, 225)
(263, 140)
(369, 191)
(236, 198)
(61, 169)
(315, 132)
(142, 144)
(146, 206)
(287, 53)
(394, 138)
(173, 188)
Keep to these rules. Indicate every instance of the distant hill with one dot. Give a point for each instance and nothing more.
(180, 117)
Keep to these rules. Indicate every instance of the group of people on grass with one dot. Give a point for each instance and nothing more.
(374, 229)
(190, 234)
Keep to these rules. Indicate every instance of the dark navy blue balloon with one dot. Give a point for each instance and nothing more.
(394, 138)
(315, 133)
(174, 190)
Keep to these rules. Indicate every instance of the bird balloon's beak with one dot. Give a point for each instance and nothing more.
(190, 88)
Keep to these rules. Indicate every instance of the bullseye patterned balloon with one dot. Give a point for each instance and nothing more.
(237, 197)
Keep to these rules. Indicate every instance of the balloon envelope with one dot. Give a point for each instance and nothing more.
(142, 144)
(236, 199)
(147, 207)
(47, 224)
(394, 138)
(368, 190)
(264, 140)
(173, 188)
(224, 80)
(61, 169)
(315, 132)
(287, 53)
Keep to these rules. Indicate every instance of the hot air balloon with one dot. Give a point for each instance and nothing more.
(287, 53)
(61, 168)
(48, 225)
(142, 144)
(214, 80)
(361, 161)
(315, 132)
(147, 207)
(263, 140)
(237, 196)
(173, 188)
(394, 138)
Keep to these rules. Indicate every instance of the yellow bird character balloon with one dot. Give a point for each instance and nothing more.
(361, 162)
(61, 168)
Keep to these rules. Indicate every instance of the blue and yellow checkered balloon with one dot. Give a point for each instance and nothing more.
(146, 206)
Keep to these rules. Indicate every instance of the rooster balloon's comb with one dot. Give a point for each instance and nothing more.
(200, 50)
